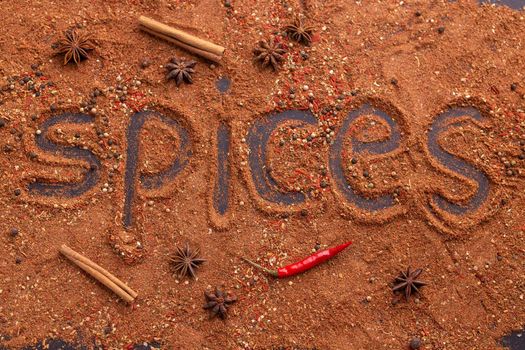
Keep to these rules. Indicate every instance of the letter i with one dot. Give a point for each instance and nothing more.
(220, 177)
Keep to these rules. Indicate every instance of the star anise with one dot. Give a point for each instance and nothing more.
(269, 53)
(408, 282)
(218, 303)
(299, 31)
(180, 70)
(74, 46)
(185, 260)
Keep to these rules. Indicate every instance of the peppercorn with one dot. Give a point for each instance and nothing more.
(441, 30)
(145, 63)
(14, 232)
(415, 343)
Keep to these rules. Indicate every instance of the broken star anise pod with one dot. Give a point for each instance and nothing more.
(180, 70)
(299, 31)
(269, 53)
(408, 282)
(185, 261)
(218, 303)
(74, 46)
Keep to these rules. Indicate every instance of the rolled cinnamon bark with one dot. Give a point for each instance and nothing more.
(208, 55)
(180, 36)
(100, 274)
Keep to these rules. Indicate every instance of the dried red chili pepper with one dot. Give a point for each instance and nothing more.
(303, 265)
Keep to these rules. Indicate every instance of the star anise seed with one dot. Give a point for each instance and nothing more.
(74, 46)
(408, 282)
(218, 303)
(185, 261)
(180, 70)
(299, 31)
(269, 53)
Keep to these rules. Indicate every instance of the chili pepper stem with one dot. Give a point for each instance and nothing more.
(268, 271)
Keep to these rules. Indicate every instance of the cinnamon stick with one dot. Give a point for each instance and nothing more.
(100, 274)
(180, 36)
(208, 55)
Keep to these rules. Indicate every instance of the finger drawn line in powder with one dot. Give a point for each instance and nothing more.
(515, 340)
(379, 147)
(455, 164)
(513, 4)
(257, 141)
(53, 344)
(154, 181)
(66, 189)
(223, 84)
(59, 344)
(221, 191)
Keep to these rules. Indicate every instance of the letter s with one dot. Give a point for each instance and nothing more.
(441, 204)
(66, 189)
